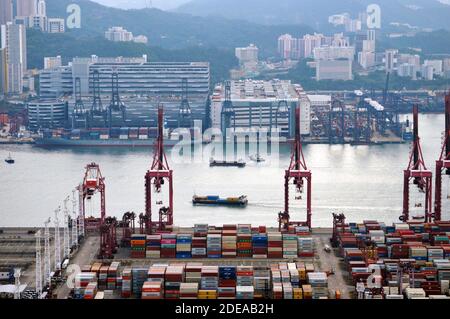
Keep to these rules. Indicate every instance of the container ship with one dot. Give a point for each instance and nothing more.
(124, 136)
(216, 200)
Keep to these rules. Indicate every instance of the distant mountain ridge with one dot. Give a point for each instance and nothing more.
(423, 13)
(174, 30)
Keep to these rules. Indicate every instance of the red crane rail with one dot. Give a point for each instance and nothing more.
(299, 173)
(418, 173)
(443, 163)
(155, 179)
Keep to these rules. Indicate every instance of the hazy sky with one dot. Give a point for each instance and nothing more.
(137, 4)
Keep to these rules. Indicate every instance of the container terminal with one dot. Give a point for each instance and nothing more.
(144, 257)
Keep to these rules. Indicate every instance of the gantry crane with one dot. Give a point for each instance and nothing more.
(128, 228)
(97, 108)
(418, 173)
(154, 181)
(443, 164)
(79, 111)
(228, 112)
(338, 225)
(299, 173)
(116, 105)
(185, 112)
(108, 239)
(93, 182)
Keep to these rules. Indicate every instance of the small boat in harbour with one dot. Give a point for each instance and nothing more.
(257, 158)
(240, 201)
(9, 160)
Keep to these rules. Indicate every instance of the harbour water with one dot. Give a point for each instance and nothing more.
(364, 182)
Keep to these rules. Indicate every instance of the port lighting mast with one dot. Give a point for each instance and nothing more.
(47, 266)
(74, 220)
(17, 274)
(38, 270)
(185, 113)
(443, 163)
(81, 219)
(155, 178)
(418, 173)
(57, 241)
(66, 240)
(227, 111)
(299, 173)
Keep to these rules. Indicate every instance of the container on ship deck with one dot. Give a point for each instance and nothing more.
(133, 133)
(143, 133)
(94, 135)
(114, 132)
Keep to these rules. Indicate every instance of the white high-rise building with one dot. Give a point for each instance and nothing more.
(26, 8)
(13, 39)
(118, 34)
(247, 54)
(285, 46)
(390, 60)
(39, 19)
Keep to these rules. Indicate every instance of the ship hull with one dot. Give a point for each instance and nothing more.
(48, 142)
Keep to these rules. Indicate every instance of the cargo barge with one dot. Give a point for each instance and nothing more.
(241, 201)
(214, 163)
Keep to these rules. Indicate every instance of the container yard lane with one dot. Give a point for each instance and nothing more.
(85, 255)
(336, 274)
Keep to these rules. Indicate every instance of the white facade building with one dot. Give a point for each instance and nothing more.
(118, 34)
(334, 52)
(334, 70)
(437, 66)
(255, 104)
(52, 62)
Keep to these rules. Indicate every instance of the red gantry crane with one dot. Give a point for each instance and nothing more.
(299, 173)
(443, 163)
(418, 173)
(155, 178)
(93, 183)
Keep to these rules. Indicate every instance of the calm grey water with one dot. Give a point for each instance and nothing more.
(364, 182)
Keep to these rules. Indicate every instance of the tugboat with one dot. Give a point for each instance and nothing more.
(9, 159)
(239, 163)
(216, 200)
